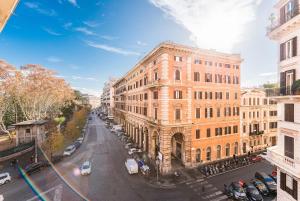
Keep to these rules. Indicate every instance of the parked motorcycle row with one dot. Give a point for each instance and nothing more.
(229, 164)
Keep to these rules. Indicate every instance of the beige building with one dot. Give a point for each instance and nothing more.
(7, 8)
(285, 30)
(258, 120)
(30, 130)
(181, 104)
(107, 99)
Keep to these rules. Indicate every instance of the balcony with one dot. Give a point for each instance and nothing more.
(285, 24)
(283, 162)
(153, 84)
(256, 133)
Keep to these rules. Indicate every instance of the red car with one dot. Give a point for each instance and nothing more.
(256, 158)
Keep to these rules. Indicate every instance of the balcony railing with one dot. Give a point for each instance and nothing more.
(256, 133)
(282, 19)
(281, 91)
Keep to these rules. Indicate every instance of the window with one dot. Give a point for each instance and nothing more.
(177, 94)
(197, 61)
(155, 113)
(250, 101)
(289, 112)
(289, 146)
(197, 133)
(227, 95)
(244, 128)
(289, 185)
(288, 49)
(244, 115)
(235, 96)
(198, 95)
(155, 75)
(198, 113)
(178, 58)
(208, 77)
(236, 148)
(208, 154)
(27, 131)
(208, 132)
(227, 65)
(218, 131)
(196, 76)
(177, 75)
(235, 129)
(177, 114)
(208, 112)
(258, 102)
(198, 155)
(265, 101)
(218, 112)
(146, 96)
(227, 150)
(155, 94)
(219, 152)
(273, 125)
(145, 111)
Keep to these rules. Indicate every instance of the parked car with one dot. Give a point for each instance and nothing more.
(80, 139)
(274, 177)
(235, 191)
(86, 168)
(261, 187)
(256, 158)
(252, 192)
(1, 197)
(4, 178)
(35, 167)
(77, 144)
(69, 150)
(268, 181)
(263, 155)
(134, 150)
(131, 166)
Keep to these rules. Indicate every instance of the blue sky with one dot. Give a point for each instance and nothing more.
(88, 41)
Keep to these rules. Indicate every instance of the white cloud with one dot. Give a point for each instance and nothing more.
(36, 6)
(268, 74)
(85, 31)
(92, 24)
(217, 24)
(74, 3)
(51, 32)
(67, 25)
(141, 43)
(111, 49)
(106, 37)
(75, 77)
(54, 59)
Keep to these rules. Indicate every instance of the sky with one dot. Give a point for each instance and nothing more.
(88, 41)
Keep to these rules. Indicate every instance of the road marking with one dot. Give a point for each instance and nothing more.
(47, 191)
(58, 193)
(196, 181)
(224, 197)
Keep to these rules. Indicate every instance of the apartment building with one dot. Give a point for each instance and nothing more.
(7, 7)
(107, 99)
(182, 104)
(258, 121)
(285, 30)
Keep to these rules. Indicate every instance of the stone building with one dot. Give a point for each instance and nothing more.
(258, 120)
(182, 104)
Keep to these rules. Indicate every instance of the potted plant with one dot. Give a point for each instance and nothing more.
(296, 87)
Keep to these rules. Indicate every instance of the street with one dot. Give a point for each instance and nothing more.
(109, 180)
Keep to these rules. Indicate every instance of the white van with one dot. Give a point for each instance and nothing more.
(132, 166)
(116, 128)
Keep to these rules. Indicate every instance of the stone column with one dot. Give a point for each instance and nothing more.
(165, 149)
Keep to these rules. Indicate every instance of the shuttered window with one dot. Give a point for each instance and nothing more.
(289, 112)
(289, 146)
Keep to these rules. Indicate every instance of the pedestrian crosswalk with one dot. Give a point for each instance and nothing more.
(206, 191)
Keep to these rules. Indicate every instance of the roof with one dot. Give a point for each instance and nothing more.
(31, 122)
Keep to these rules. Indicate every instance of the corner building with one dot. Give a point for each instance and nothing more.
(183, 104)
(285, 30)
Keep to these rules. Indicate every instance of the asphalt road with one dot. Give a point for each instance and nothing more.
(109, 180)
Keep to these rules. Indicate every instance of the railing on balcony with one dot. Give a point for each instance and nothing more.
(281, 91)
(256, 133)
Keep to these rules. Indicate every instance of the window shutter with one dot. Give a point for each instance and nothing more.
(211, 112)
(282, 181)
(294, 46)
(282, 15)
(205, 112)
(195, 95)
(294, 75)
(282, 51)
(200, 94)
(295, 189)
(174, 94)
(282, 83)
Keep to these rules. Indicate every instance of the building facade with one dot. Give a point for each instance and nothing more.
(7, 8)
(258, 121)
(182, 104)
(107, 99)
(285, 30)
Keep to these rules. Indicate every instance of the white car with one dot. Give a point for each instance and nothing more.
(4, 178)
(128, 145)
(134, 150)
(132, 166)
(1, 198)
(86, 168)
(80, 140)
(263, 155)
(69, 150)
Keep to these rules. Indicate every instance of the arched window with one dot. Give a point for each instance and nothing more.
(236, 148)
(177, 75)
(227, 150)
(198, 155)
(208, 154)
(219, 152)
